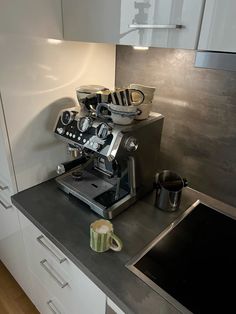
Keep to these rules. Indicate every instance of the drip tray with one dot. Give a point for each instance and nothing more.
(192, 264)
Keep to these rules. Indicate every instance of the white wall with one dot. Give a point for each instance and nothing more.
(38, 77)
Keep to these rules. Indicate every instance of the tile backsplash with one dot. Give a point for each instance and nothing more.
(199, 105)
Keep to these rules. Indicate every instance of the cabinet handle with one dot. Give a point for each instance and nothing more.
(53, 273)
(158, 26)
(3, 187)
(5, 205)
(52, 307)
(59, 259)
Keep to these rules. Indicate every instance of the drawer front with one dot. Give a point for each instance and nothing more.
(6, 191)
(45, 302)
(112, 308)
(5, 186)
(5, 178)
(64, 280)
(9, 223)
(43, 244)
(12, 251)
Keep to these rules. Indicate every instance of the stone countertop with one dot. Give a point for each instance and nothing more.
(65, 221)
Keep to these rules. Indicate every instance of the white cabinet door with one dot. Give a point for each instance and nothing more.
(6, 168)
(91, 20)
(112, 308)
(218, 26)
(45, 302)
(40, 18)
(141, 23)
(59, 276)
(12, 251)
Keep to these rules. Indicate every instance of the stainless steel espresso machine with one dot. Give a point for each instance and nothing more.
(114, 165)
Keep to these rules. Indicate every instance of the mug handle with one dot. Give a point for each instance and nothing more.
(98, 109)
(118, 241)
(139, 102)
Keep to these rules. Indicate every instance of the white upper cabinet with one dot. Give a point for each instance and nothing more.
(156, 23)
(218, 26)
(40, 18)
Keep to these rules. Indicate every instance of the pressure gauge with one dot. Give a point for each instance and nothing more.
(103, 130)
(84, 124)
(66, 117)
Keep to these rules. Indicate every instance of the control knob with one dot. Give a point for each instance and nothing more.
(131, 144)
(103, 130)
(67, 117)
(84, 124)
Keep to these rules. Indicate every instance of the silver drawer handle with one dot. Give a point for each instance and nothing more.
(6, 206)
(44, 263)
(3, 187)
(158, 26)
(52, 307)
(60, 260)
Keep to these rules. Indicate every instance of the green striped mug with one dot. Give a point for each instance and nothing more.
(102, 237)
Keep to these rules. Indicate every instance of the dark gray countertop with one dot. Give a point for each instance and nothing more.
(65, 221)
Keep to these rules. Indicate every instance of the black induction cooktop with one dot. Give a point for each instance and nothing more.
(195, 262)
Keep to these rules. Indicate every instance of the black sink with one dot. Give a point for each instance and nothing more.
(194, 262)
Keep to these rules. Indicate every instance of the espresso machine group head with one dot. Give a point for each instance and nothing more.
(116, 164)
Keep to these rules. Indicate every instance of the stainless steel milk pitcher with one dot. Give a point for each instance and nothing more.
(169, 187)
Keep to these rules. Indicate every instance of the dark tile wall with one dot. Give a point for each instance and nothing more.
(199, 105)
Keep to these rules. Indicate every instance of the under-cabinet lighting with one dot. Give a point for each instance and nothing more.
(140, 48)
(54, 41)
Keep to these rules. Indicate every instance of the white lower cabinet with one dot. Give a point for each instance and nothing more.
(12, 252)
(112, 308)
(56, 280)
(45, 302)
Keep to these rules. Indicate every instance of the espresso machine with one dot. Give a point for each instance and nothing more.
(113, 165)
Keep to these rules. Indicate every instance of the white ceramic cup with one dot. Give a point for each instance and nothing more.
(146, 106)
(145, 110)
(123, 115)
(148, 91)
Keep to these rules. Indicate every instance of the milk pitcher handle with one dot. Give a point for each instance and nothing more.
(98, 110)
(156, 184)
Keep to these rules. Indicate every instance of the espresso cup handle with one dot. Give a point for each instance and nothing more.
(118, 241)
(138, 102)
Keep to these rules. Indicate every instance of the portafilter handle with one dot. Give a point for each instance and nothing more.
(66, 166)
